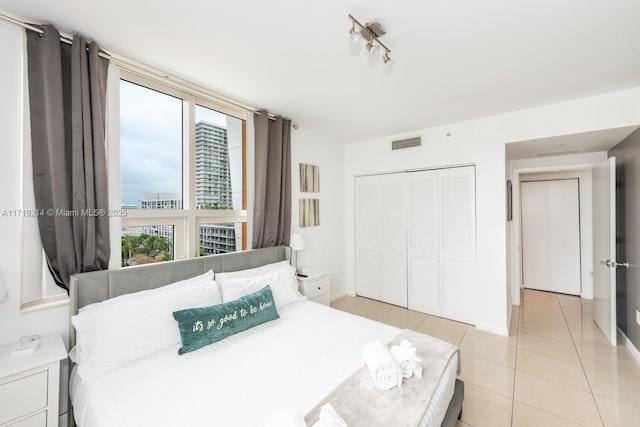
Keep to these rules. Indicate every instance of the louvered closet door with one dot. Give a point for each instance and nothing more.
(457, 241)
(368, 277)
(393, 243)
(422, 242)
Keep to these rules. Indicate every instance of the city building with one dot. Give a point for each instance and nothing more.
(213, 176)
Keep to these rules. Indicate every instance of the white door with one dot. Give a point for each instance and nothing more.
(422, 242)
(551, 236)
(393, 238)
(457, 241)
(368, 280)
(604, 247)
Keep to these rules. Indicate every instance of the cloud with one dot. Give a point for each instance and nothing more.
(150, 142)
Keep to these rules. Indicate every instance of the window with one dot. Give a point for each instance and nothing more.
(151, 140)
(182, 177)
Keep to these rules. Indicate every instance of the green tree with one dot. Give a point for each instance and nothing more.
(156, 247)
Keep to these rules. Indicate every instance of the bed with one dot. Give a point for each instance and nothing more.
(291, 363)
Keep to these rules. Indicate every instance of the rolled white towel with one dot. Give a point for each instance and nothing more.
(407, 357)
(382, 366)
(286, 418)
(404, 360)
(417, 369)
(329, 417)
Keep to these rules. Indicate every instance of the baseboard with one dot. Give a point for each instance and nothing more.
(338, 296)
(494, 330)
(586, 295)
(632, 348)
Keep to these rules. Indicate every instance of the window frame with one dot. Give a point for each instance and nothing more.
(186, 221)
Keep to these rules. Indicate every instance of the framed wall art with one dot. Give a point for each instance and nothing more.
(309, 178)
(309, 212)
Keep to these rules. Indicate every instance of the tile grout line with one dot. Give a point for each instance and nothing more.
(586, 377)
(515, 362)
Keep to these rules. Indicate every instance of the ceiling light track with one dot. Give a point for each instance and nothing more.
(371, 33)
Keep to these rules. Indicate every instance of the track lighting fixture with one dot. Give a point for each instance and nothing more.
(371, 33)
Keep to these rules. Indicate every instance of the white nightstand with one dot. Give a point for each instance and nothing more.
(316, 286)
(29, 385)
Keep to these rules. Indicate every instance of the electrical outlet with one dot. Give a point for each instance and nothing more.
(638, 317)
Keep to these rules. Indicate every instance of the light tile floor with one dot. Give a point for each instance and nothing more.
(554, 369)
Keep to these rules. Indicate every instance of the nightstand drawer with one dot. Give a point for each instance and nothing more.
(316, 288)
(23, 396)
(37, 420)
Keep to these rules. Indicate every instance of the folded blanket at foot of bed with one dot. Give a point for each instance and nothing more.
(359, 403)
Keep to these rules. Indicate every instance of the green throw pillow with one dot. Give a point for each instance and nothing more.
(202, 326)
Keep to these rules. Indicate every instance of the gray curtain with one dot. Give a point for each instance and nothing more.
(272, 207)
(67, 98)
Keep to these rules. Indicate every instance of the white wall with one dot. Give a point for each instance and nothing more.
(482, 142)
(469, 143)
(324, 248)
(13, 322)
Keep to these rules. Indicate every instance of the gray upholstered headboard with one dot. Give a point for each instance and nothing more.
(88, 288)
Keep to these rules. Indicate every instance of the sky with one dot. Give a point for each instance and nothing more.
(151, 141)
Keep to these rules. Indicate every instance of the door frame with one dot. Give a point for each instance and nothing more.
(551, 178)
(581, 172)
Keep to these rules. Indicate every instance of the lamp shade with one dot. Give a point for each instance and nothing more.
(296, 243)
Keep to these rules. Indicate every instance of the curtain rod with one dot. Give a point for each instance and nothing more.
(133, 66)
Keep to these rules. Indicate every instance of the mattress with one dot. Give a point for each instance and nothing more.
(289, 363)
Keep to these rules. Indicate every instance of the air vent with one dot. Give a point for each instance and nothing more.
(406, 143)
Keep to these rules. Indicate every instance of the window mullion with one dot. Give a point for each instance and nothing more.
(189, 160)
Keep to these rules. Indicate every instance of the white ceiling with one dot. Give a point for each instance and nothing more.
(454, 60)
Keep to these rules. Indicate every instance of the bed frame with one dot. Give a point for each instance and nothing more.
(89, 288)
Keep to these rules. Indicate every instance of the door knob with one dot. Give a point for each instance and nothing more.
(620, 264)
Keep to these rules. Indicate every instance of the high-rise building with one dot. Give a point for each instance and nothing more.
(213, 186)
(213, 176)
(217, 238)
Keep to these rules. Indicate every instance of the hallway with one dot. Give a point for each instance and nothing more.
(555, 369)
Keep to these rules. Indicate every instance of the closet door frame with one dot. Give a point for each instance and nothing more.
(463, 278)
(551, 260)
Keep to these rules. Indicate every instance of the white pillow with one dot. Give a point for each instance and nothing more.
(282, 281)
(252, 272)
(202, 278)
(121, 330)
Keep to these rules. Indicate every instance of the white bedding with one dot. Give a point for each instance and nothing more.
(289, 363)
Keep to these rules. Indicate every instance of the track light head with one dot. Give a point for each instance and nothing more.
(354, 34)
(387, 59)
(372, 48)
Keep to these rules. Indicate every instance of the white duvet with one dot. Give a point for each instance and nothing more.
(289, 363)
